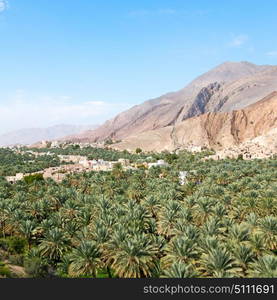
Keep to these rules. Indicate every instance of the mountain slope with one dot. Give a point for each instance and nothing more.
(32, 135)
(213, 130)
(231, 85)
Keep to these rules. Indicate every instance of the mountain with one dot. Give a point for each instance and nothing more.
(32, 135)
(219, 130)
(229, 86)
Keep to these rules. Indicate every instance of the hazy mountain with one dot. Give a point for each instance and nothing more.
(218, 130)
(32, 135)
(229, 86)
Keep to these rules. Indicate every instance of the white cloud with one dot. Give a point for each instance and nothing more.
(239, 40)
(271, 53)
(3, 5)
(21, 112)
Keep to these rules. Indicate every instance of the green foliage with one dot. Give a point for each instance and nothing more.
(5, 271)
(95, 153)
(180, 270)
(170, 157)
(33, 178)
(85, 260)
(142, 223)
(138, 151)
(240, 157)
(36, 267)
(16, 259)
(13, 244)
(12, 162)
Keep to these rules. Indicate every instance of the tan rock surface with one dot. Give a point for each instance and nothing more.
(214, 130)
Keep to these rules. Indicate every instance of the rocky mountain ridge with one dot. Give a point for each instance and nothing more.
(217, 130)
(229, 86)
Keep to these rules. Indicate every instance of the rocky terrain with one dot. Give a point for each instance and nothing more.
(252, 129)
(260, 147)
(230, 86)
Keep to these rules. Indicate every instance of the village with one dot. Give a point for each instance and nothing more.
(72, 164)
(79, 164)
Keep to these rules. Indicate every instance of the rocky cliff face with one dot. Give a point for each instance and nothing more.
(225, 88)
(199, 105)
(213, 130)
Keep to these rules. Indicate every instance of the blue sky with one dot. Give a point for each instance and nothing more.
(83, 61)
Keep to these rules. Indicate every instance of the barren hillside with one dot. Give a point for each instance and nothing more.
(214, 130)
(229, 86)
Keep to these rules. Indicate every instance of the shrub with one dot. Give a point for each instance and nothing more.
(240, 157)
(13, 244)
(33, 178)
(16, 259)
(5, 271)
(171, 157)
(138, 151)
(36, 267)
(17, 244)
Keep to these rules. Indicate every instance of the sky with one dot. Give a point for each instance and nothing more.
(83, 61)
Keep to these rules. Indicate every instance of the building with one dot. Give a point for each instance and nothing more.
(55, 144)
(124, 162)
(159, 163)
(85, 162)
(13, 179)
(183, 177)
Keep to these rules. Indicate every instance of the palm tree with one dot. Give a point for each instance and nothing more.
(264, 267)
(268, 204)
(252, 220)
(136, 257)
(183, 229)
(27, 228)
(168, 217)
(181, 250)
(244, 255)
(185, 214)
(54, 244)
(85, 260)
(208, 243)
(71, 228)
(190, 201)
(152, 204)
(84, 216)
(239, 233)
(211, 226)
(203, 209)
(257, 243)
(35, 265)
(218, 263)
(268, 226)
(3, 219)
(180, 270)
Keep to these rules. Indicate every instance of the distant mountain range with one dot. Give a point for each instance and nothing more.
(31, 135)
(228, 87)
